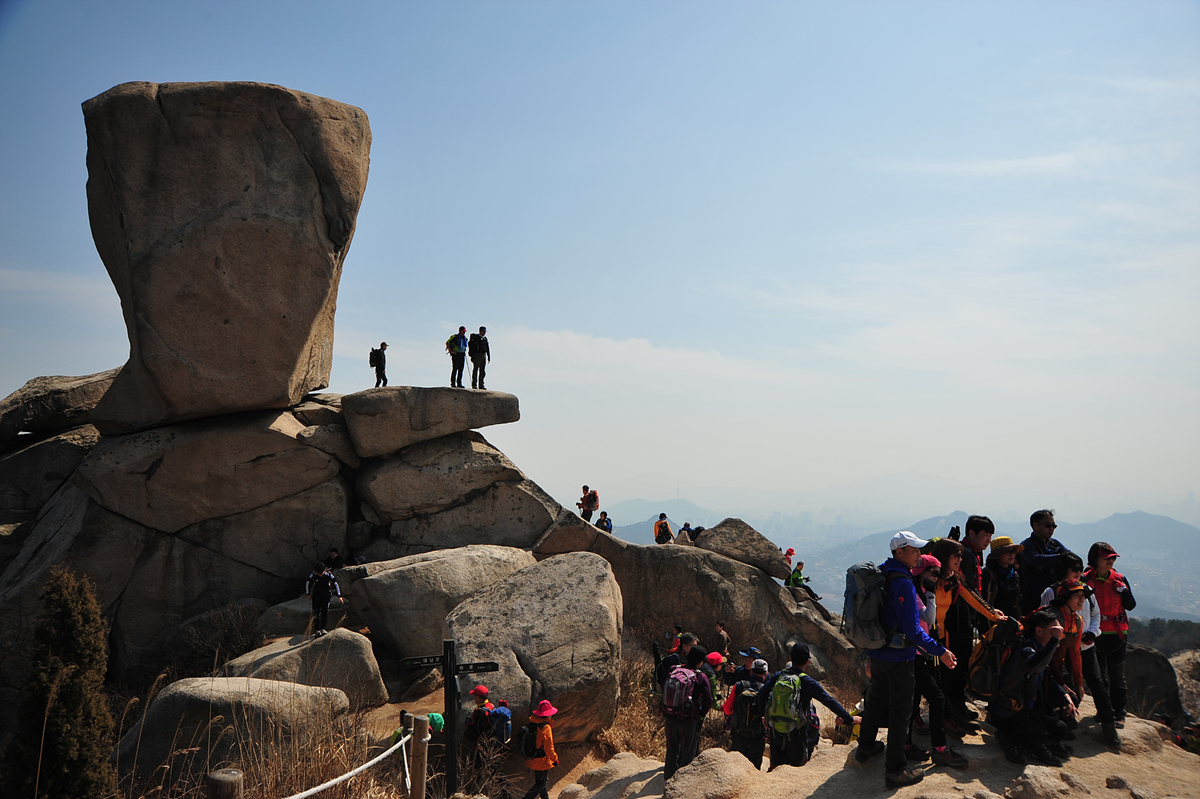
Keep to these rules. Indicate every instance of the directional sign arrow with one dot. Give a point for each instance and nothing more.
(476, 668)
(422, 662)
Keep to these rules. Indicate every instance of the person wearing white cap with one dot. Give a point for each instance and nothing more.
(892, 666)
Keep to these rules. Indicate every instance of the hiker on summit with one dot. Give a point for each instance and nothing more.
(1070, 568)
(686, 700)
(1038, 559)
(1001, 579)
(588, 504)
(890, 698)
(797, 580)
(1021, 709)
(743, 715)
(604, 523)
(456, 345)
(480, 354)
(1114, 598)
(662, 530)
(787, 715)
(955, 631)
(379, 361)
(1067, 665)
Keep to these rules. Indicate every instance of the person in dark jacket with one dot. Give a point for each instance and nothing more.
(604, 523)
(1022, 709)
(683, 725)
(890, 698)
(456, 345)
(1001, 579)
(1039, 559)
(321, 586)
(791, 748)
(743, 715)
(380, 365)
(1114, 598)
(480, 353)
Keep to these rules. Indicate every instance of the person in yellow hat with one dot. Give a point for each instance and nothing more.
(540, 756)
(1001, 579)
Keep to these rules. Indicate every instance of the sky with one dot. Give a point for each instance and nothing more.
(900, 257)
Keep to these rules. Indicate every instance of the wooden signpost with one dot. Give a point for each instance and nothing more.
(451, 669)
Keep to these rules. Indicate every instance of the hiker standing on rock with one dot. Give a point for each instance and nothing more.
(1114, 597)
(791, 744)
(481, 355)
(456, 345)
(379, 361)
(743, 716)
(893, 680)
(1039, 559)
(540, 757)
(321, 587)
(588, 504)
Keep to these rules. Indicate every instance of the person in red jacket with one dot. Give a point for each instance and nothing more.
(1114, 598)
(547, 758)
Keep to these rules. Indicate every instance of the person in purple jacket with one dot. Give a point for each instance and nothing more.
(892, 677)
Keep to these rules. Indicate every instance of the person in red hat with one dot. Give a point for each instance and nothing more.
(544, 757)
(478, 726)
(1114, 598)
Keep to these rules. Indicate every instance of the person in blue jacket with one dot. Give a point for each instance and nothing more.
(893, 679)
(1039, 559)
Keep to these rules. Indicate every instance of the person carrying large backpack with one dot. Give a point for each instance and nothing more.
(588, 504)
(686, 700)
(743, 715)
(378, 359)
(893, 681)
(1114, 598)
(662, 530)
(785, 702)
(537, 746)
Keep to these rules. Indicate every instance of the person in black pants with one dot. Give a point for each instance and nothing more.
(683, 725)
(481, 355)
(381, 365)
(456, 345)
(320, 587)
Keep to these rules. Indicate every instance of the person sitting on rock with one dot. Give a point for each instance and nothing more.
(545, 758)
(798, 581)
(662, 530)
(1022, 708)
(604, 523)
(687, 528)
(788, 556)
(479, 726)
(1067, 666)
(791, 744)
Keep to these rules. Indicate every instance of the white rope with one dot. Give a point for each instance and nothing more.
(349, 774)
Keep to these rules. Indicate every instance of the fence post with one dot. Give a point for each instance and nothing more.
(420, 756)
(225, 783)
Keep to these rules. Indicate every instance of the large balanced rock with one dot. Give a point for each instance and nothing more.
(48, 404)
(433, 475)
(194, 714)
(735, 539)
(223, 213)
(510, 514)
(171, 477)
(406, 601)
(30, 475)
(384, 420)
(340, 659)
(555, 629)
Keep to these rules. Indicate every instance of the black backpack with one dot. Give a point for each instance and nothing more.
(373, 359)
(475, 345)
(527, 742)
(747, 716)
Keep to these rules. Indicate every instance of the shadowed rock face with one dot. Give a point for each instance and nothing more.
(47, 404)
(222, 212)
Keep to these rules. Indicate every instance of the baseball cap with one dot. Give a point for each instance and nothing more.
(479, 690)
(1106, 551)
(715, 658)
(906, 539)
(759, 667)
(926, 562)
(752, 652)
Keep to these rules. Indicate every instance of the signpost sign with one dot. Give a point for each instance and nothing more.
(451, 669)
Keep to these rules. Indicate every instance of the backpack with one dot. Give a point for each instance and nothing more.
(474, 345)
(373, 358)
(990, 656)
(866, 595)
(678, 689)
(527, 742)
(592, 500)
(747, 718)
(501, 721)
(785, 707)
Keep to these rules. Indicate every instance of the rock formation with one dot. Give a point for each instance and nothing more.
(383, 421)
(50, 404)
(223, 212)
(1153, 685)
(555, 630)
(735, 539)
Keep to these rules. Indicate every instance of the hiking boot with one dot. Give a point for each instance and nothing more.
(952, 728)
(898, 779)
(949, 758)
(1120, 722)
(1059, 748)
(1109, 731)
(915, 754)
(1014, 754)
(1042, 754)
(863, 755)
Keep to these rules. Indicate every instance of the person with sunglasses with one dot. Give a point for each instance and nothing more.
(1039, 559)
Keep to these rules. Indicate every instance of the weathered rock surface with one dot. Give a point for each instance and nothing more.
(223, 212)
(341, 659)
(171, 477)
(569, 533)
(405, 602)
(333, 439)
(294, 616)
(385, 420)
(319, 409)
(623, 777)
(48, 404)
(29, 476)
(735, 539)
(512, 514)
(434, 475)
(1153, 686)
(555, 629)
(194, 712)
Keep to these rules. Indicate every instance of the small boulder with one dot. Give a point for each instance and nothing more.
(49, 404)
(555, 629)
(1037, 782)
(510, 514)
(735, 539)
(433, 476)
(385, 420)
(30, 475)
(1153, 684)
(170, 477)
(340, 659)
(331, 438)
(193, 713)
(406, 601)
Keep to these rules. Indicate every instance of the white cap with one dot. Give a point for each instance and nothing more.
(906, 539)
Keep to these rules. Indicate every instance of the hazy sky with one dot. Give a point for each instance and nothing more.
(760, 254)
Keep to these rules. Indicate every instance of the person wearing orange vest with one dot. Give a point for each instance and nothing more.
(662, 530)
(1114, 598)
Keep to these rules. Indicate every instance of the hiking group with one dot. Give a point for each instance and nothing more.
(459, 346)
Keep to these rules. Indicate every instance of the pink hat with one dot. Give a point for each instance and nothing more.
(544, 709)
(479, 690)
(926, 562)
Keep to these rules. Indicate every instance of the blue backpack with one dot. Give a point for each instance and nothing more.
(501, 720)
